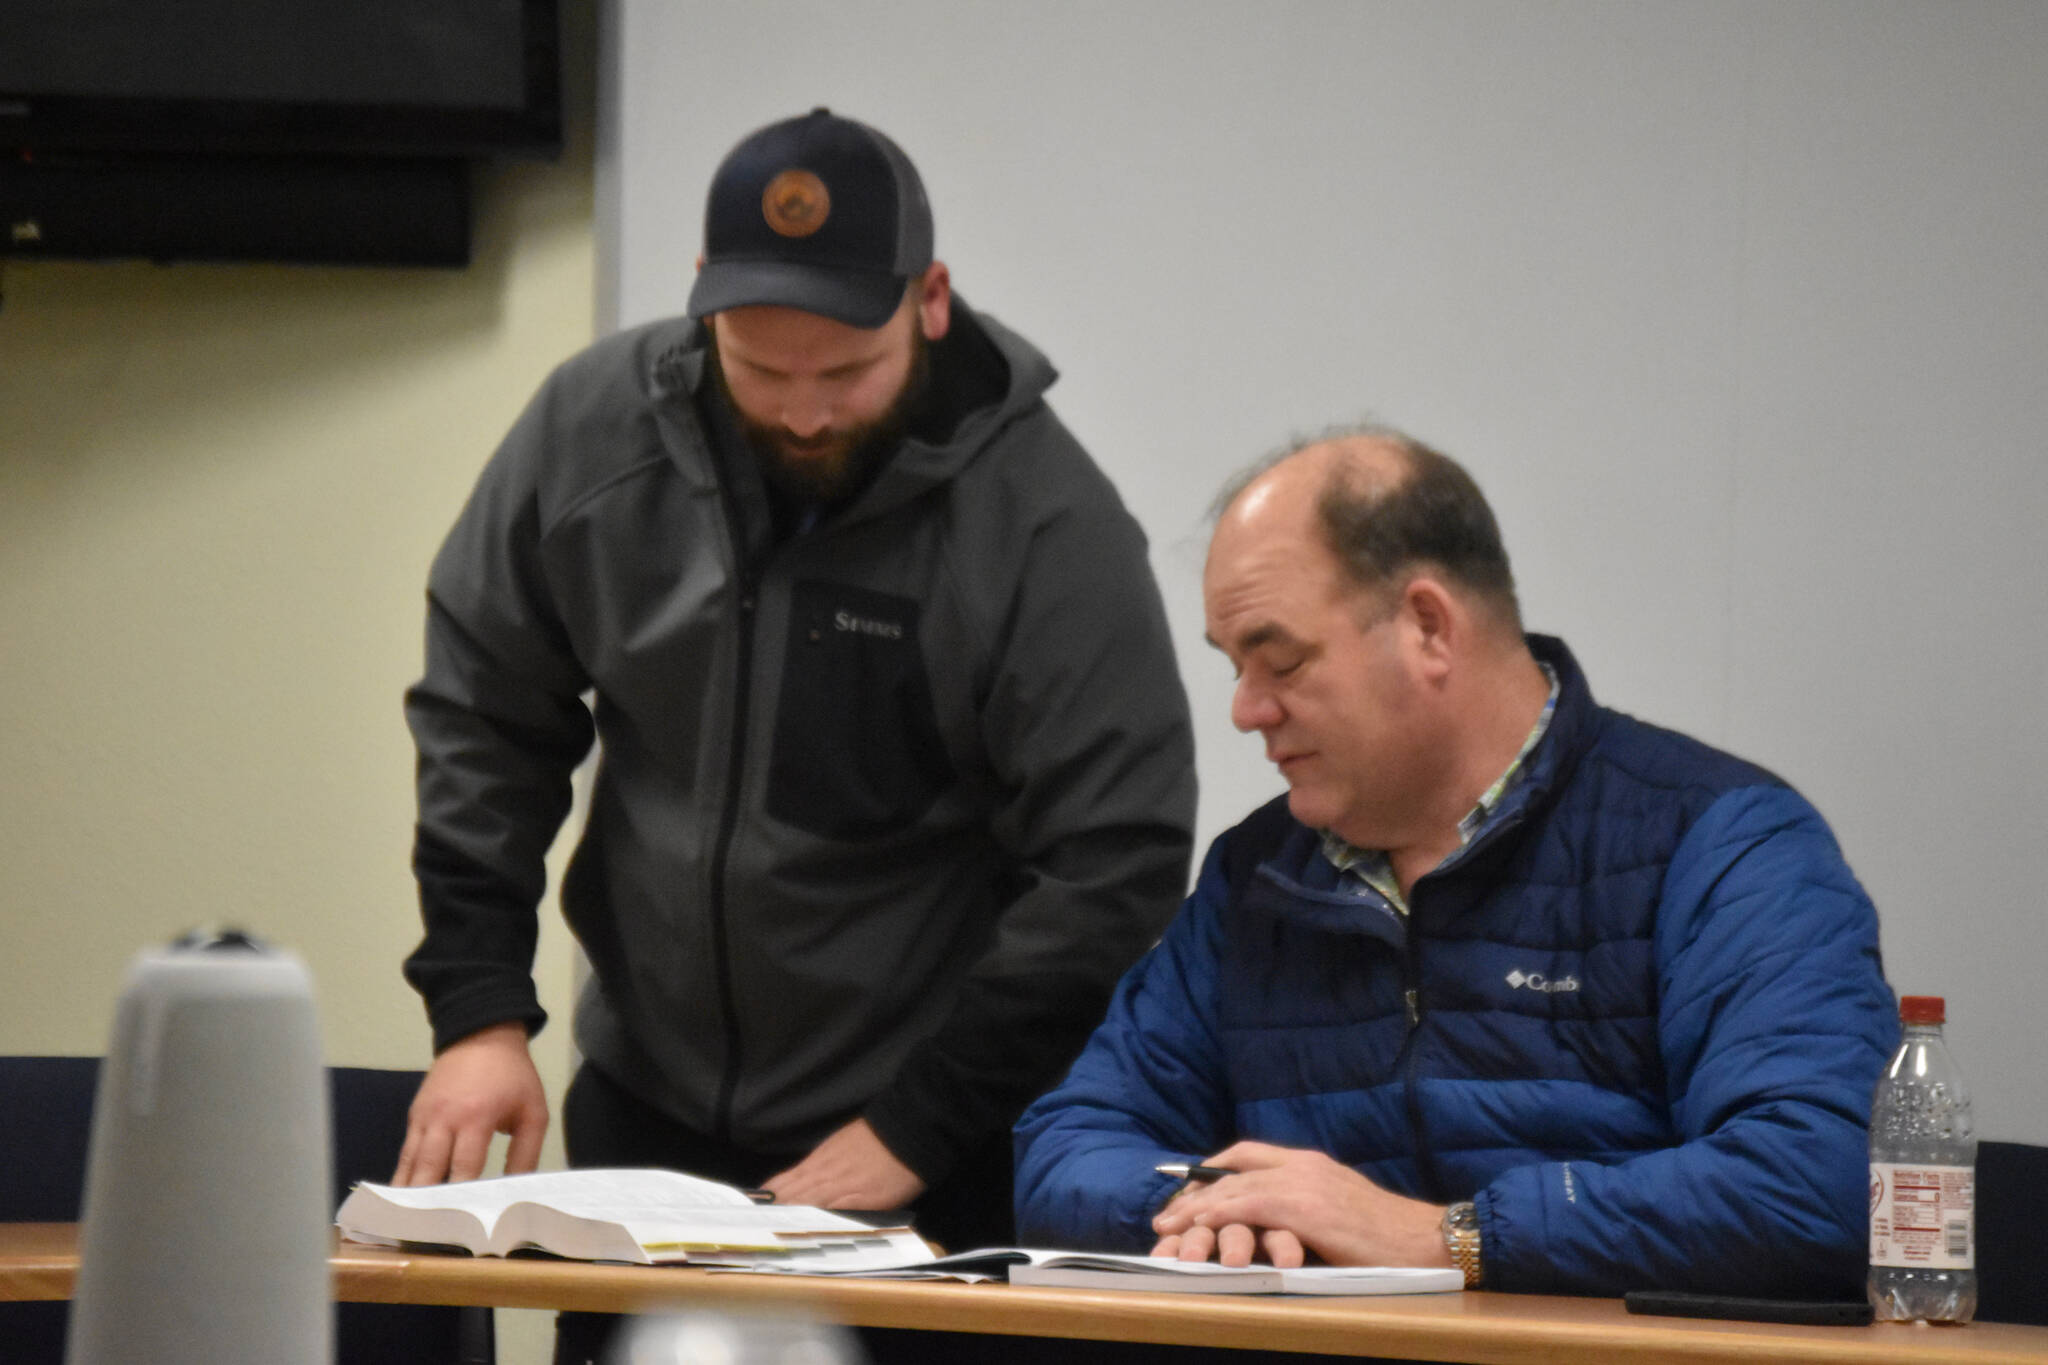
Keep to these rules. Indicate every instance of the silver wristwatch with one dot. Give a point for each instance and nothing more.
(1461, 1239)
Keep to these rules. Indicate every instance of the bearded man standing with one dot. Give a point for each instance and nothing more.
(896, 773)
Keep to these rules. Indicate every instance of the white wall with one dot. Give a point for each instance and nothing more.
(1736, 311)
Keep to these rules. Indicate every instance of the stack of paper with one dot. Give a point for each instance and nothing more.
(1098, 1270)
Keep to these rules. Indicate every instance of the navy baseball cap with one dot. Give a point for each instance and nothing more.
(819, 213)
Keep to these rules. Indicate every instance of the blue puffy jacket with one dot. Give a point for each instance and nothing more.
(1648, 1012)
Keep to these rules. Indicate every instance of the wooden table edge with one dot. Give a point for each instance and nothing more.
(1477, 1328)
(40, 1262)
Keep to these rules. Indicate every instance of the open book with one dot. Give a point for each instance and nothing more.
(644, 1216)
(1101, 1270)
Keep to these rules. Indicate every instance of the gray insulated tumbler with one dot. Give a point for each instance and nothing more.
(205, 1233)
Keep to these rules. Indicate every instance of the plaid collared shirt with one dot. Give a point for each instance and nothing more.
(1376, 870)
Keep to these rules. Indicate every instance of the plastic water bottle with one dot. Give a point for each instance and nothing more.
(1923, 1178)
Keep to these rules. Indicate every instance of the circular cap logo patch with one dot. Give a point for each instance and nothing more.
(796, 203)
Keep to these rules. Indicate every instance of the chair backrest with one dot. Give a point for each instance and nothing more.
(2012, 1233)
(45, 1129)
(45, 1117)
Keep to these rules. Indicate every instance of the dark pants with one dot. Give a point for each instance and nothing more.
(603, 1125)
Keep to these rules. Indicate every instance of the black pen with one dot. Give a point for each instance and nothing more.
(1194, 1175)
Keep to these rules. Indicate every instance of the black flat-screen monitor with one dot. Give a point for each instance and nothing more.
(317, 131)
(280, 77)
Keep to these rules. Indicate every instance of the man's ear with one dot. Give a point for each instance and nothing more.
(1437, 624)
(935, 301)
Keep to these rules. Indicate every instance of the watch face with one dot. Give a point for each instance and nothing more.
(1462, 1217)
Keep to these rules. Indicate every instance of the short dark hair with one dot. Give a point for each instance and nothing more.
(1382, 530)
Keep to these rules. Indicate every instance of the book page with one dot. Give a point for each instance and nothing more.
(1108, 1271)
(764, 1229)
(1143, 1265)
(1310, 1279)
(595, 1193)
(1371, 1279)
(883, 1250)
(909, 1257)
(367, 1216)
(583, 1191)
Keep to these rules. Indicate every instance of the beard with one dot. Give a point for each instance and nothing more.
(833, 465)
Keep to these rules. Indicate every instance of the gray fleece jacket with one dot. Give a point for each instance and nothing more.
(883, 809)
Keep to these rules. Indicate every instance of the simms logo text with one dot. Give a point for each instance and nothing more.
(867, 625)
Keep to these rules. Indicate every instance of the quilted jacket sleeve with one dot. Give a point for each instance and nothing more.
(1774, 1020)
(1145, 1090)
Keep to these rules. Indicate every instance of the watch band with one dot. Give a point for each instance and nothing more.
(1461, 1240)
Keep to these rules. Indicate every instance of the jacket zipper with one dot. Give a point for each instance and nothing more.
(1411, 994)
(728, 827)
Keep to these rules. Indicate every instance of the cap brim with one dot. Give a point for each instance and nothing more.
(858, 298)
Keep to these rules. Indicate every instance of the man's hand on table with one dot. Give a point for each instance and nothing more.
(478, 1087)
(850, 1169)
(1290, 1203)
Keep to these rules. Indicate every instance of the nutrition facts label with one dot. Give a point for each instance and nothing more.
(1920, 1216)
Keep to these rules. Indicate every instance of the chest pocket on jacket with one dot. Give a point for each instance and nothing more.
(857, 750)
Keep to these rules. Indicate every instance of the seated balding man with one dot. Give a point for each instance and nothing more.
(1506, 980)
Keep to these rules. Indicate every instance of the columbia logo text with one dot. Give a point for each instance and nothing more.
(1537, 981)
(867, 625)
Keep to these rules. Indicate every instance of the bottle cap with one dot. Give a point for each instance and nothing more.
(1922, 1009)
